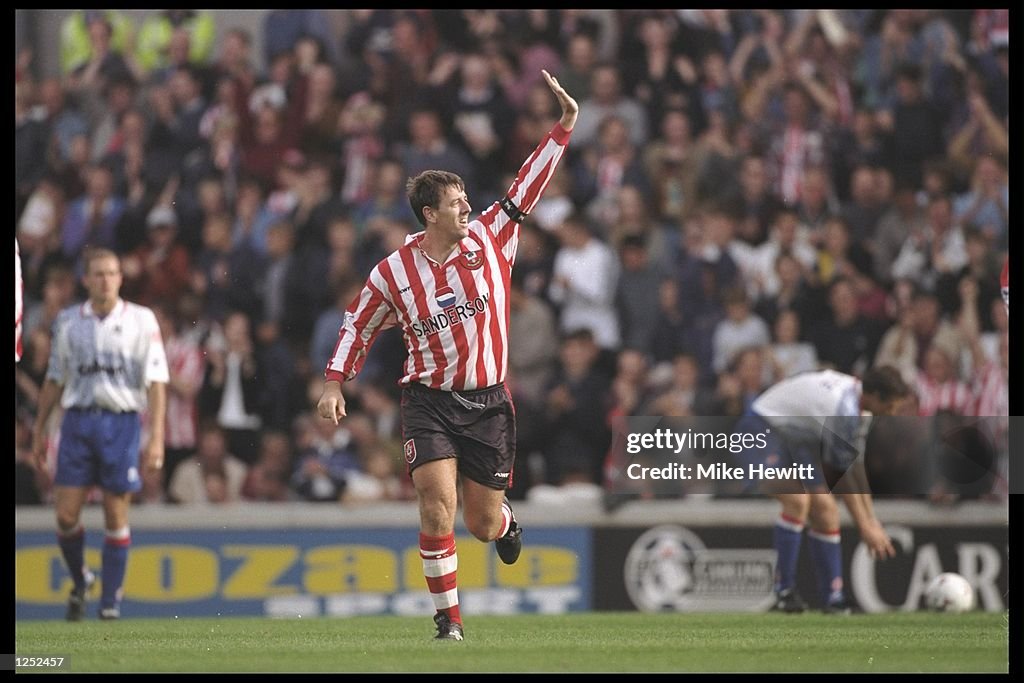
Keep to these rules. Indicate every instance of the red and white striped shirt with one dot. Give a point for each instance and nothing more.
(187, 365)
(952, 395)
(454, 316)
(992, 391)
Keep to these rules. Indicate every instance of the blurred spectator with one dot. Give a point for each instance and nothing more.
(376, 481)
(986, 206)
(903, 218)
(283, 28)
(817, 201)
(226, 277)
(789, 355)
(740, 329)
(533, 344)
(232, 386)
(267, 480)
(867, 203)
(796, 145)
(583, 283)
(671, 165)
(76, 48)
(321, 109)
(578, 437)
(758, 205)
(638, 310)
(919, 325)
(481, 119)
(107, 61)
(429, 148)
(607, 100)
(604, 169)
(916, 127)
(30, 137)
(845, 340)
(213, 475)
(937, 249)
(159, 31)
(683, 396)
(360, 128)
(91, 219)
(325, 458)
(187, 365)
(668, 338)
(157, 271)
(938, 386)
(982, 135)
(581, 58)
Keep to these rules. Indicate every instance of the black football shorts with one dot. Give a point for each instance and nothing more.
(476, 427)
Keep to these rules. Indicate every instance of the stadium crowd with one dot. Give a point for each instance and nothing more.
(747, 195)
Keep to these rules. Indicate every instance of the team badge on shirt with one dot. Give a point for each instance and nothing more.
(471, 260)
(410, 451)
(445, 297)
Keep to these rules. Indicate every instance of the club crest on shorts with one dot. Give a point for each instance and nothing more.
(410, 451)
(445, 297)
(471, 260)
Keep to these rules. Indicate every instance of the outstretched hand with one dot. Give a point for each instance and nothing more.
(570, 110)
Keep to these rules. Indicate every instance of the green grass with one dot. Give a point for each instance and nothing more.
(581, 642)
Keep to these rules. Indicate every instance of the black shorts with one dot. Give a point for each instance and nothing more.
(479, 430)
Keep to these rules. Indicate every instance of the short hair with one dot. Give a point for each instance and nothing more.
(426, 190)
(96, 253)
(885, 383)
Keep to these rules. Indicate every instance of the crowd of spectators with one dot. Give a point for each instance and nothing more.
(748, 194)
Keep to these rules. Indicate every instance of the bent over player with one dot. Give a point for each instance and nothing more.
(107, 365)
(821, 419)
(448, 289)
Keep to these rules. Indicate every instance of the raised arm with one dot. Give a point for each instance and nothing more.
(502, 218)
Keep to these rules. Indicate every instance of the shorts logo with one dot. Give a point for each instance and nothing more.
(445, 297)
(133, 474)
(410, 451)
(501, 475)
(471, 260)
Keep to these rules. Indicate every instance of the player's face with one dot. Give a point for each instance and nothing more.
(103, 280)
(452, 213)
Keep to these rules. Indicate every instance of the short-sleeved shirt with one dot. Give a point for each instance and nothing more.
(107, 362)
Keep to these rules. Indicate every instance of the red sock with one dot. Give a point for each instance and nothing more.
(440, 563)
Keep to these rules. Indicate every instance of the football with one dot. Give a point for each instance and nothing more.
(949, 592)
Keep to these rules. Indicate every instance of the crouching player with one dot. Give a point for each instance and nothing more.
(820, 419)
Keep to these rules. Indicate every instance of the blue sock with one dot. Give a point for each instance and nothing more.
(72, 547)
(115, 559)
(826, 554)
(788, 532)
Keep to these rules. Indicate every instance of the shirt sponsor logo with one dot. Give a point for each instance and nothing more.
(95, 368)
(453, 315)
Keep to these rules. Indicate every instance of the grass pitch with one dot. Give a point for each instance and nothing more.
(578, 642)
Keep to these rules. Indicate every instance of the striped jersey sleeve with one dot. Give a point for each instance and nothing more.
(365, 318)
(503, 217)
